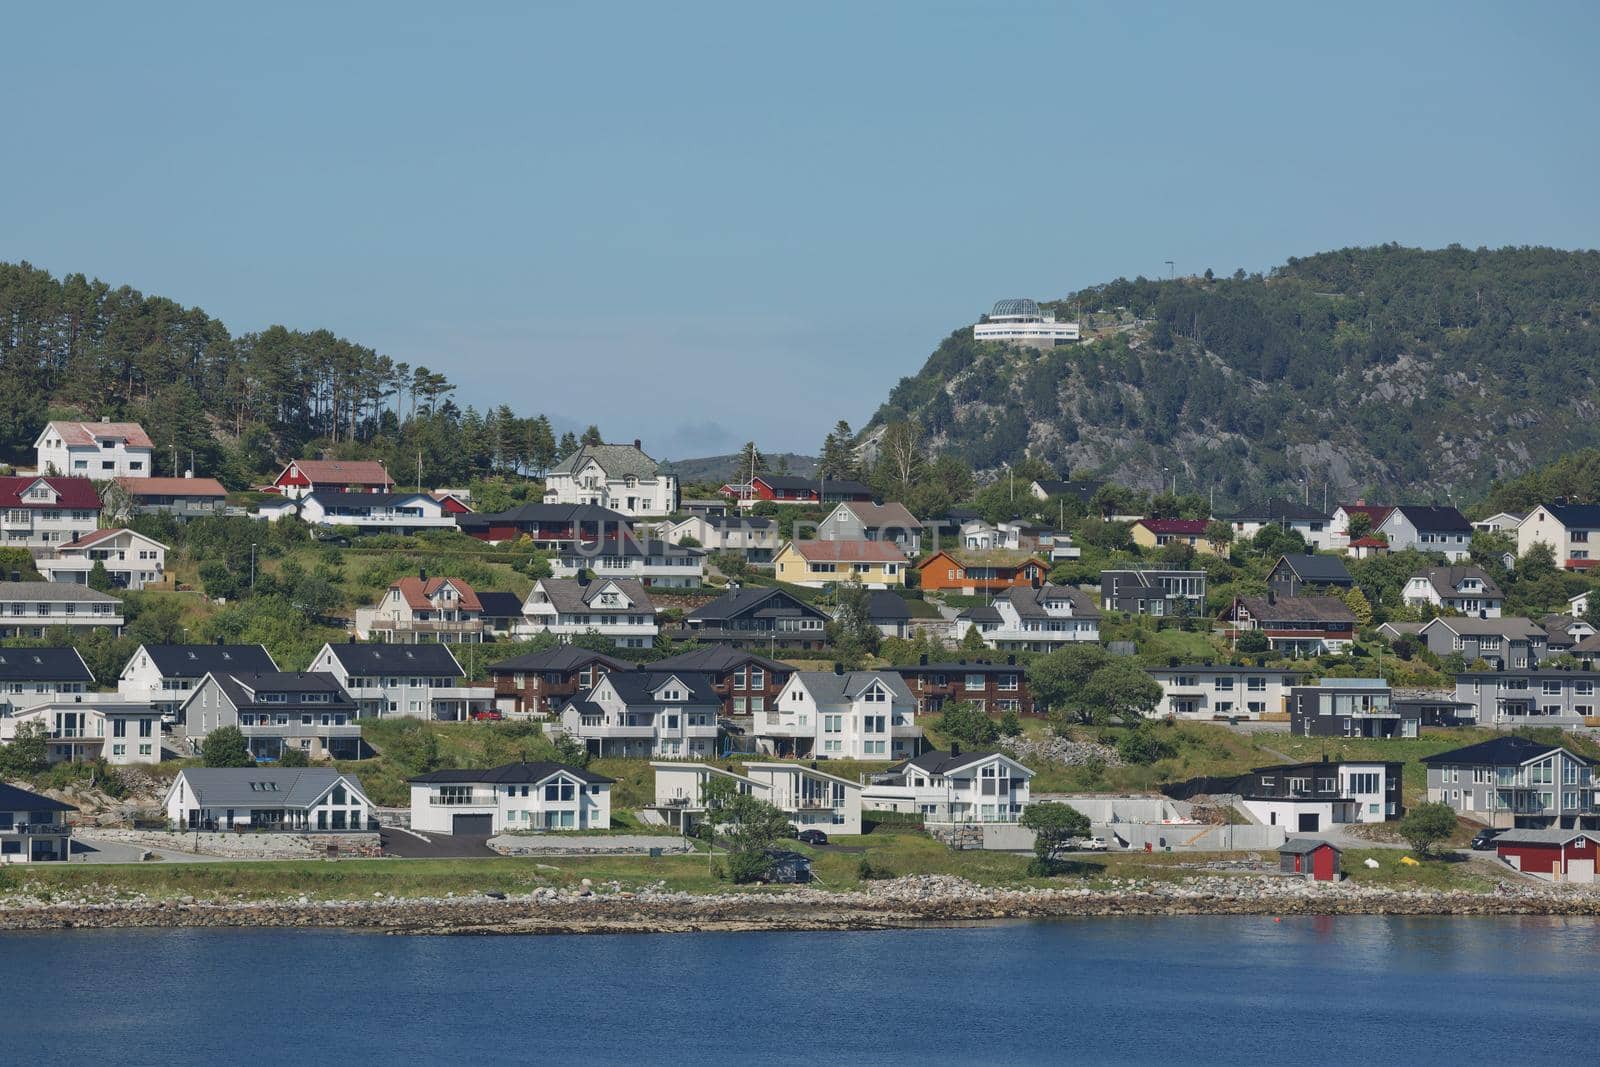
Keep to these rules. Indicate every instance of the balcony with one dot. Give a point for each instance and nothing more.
(473, 800)
(295, 728)
(462, 692)
(428, 626)
(23, 829)
(620, 733)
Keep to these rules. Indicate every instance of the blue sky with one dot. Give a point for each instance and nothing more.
(698, 224)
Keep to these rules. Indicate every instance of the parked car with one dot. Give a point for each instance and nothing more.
(812, 837)
(1090, 844)
(1483, 840)
(487, 716)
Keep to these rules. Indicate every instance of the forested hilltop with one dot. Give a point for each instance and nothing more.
(1406, 373)
(237, 404)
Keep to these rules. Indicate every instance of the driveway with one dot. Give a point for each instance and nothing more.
(397, 842)
(85, 848)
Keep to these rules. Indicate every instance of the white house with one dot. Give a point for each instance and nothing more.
(45, 512)
(653, 564)
(1428, 529)
(165, 675)
(1467, 590)
(1578, 606)
(1024, 619)
(30, 609)
(753, 537)
(33, 676)
(1571, 530)
(644, 713)
(376, 512)
(812, 798)
(413, 681)
(615, 608)
(866, 715)
(33, 828)
(1312, 525)
(418, 610)
(1221, 691)
(516, 796)
(298, 799)
(619, 477)
(132, 560)
(954, 786)
(861, 520)
(90, 727)
(1500, 521)
(99, 450)
(1312, 797)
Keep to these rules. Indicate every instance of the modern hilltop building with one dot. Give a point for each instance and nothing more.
(1021, 322)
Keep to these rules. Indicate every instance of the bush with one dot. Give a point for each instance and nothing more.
(966, 723)
(869, 873)
(226, 747)
(1010, 724)
(294, 757)
(1142, 746)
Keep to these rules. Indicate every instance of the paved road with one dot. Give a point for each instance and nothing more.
(88, 849)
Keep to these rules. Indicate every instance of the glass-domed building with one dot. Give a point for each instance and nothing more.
(1020, 322)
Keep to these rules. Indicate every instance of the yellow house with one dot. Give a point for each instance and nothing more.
(875, 564)
(1158, 533)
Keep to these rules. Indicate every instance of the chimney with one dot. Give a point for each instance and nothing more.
(422, 574)
(219, 641)
(922, 660)
(838, 668)
(638, 445)
(351, 640)
(1272, 597)
(955, 748)
(105, 418)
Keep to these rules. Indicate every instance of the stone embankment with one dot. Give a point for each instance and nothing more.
(903, 902)
(247, 846)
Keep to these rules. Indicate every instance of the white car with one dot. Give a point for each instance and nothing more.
(1090, 844)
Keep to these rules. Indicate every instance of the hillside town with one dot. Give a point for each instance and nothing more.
(188, 663)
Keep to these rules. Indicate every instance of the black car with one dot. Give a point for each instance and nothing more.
(812, 837)
(1483, 840)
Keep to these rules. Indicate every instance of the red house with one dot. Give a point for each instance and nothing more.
(304, 476)
(1310, 858)
(1556, 855)
(785, 489)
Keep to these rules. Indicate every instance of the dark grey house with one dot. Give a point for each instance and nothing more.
(1504, 644)
(1160, 593)
(1529, 697)
(1513, 781)
(1309, 575)
(1349, 707)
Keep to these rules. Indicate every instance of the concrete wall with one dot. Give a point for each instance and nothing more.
(1191, 837)
(248, 845)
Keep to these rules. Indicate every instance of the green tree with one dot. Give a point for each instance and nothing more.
(591, 435)
(294, 756)
(852, 633)
(226, 747)
(1592, 613)
(572, 751)
(100, 578)
(1220, 534)
(1119, 690)
(1425, 825)
(1056, 677)
(29, 750)
(1357, 602)
(1054, 826)
(1253, 642)
(1142, 745)
(838, 460)
(964, 721)
(1360, 525)
(972, 640)
(1010, 723)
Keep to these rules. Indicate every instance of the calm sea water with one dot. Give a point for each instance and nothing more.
(1172, 990)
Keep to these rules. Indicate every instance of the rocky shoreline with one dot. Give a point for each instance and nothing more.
(912, 901)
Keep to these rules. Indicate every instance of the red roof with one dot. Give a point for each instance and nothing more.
(417, 592)
(93, 537)
(79, 434)
(1376, 512)
(850, 551)
(1187, 527)
(173, 486)
(75, 493)
(1369, 542)
(342, 471)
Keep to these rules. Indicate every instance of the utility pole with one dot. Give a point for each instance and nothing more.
(252, 564)
(1172, 271)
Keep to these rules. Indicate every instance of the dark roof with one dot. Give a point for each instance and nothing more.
(1445, 579)
(239, 686)
(885, 606)
(1274, 509)
(982, 613)
(1580, 515)
(194, 661)
(43, 665)
(1510, 750)
(545, 514)
(937, 762)
(558, 658)
(14, 799)
(519, 773)
(718, 659)
(628, 548)
(1306, 845)
(1083, 490)
(1328, 570)
(1431, 517)
(753, 601)
(384, 658)
(1297, 609)
(1225, 668)
(738, 522)
(499, 605)
(638, 687)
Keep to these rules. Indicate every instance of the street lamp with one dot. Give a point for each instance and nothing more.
(252, 564)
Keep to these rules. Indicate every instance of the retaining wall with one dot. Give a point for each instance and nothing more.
(247, 845)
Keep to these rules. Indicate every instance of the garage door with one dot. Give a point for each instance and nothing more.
(472, 824)
(1310, 822)
(1580, 871)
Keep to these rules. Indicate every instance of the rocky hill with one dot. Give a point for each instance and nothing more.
(1396, 371)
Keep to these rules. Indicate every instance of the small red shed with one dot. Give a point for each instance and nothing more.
(1558, 855)
(1309, 857)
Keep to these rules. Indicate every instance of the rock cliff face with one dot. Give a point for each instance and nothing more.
(1411, 374)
